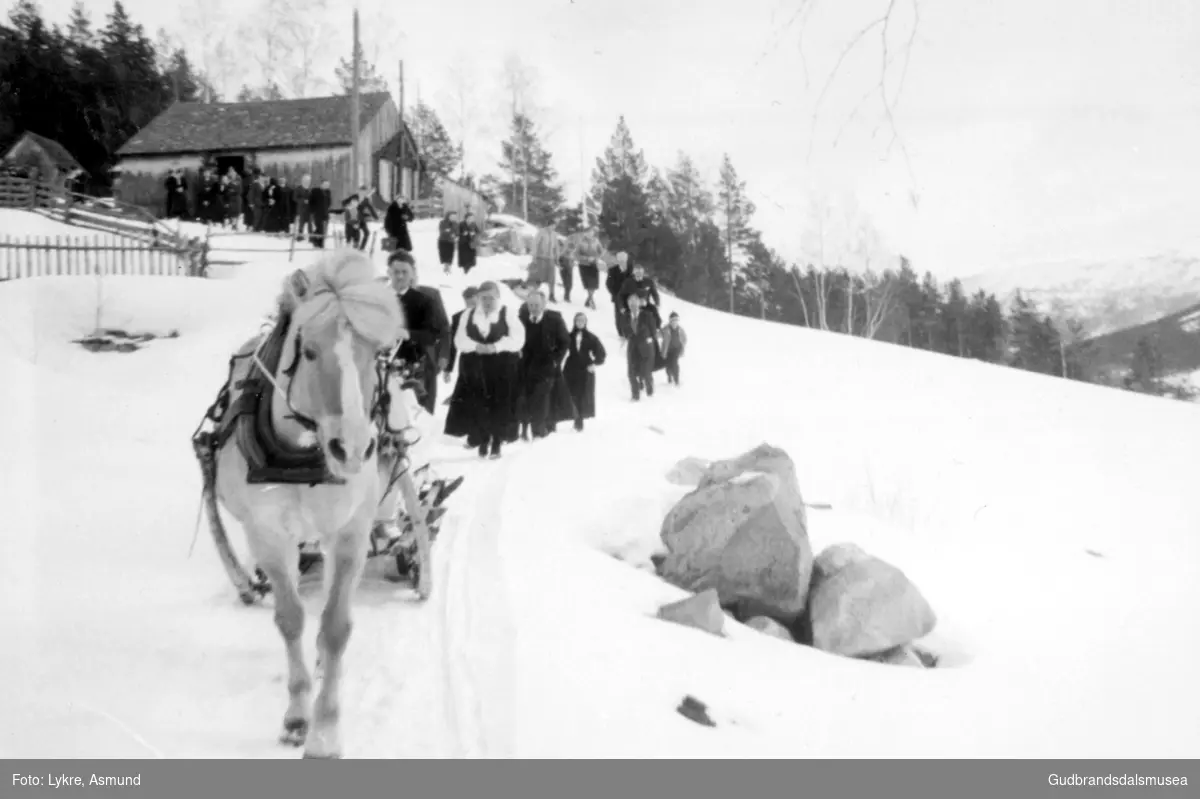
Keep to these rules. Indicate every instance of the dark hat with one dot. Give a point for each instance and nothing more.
(401, 256)
(674, 315)
(469, 292)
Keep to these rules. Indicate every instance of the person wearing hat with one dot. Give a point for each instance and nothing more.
(674, 342)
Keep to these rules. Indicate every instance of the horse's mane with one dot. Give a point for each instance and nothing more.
(343, 283)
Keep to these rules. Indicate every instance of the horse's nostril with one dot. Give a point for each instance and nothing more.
(370, 449)
(337, 450)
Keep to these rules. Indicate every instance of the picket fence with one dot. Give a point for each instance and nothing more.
(47, 256)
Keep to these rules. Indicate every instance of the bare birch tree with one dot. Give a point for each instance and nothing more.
(461, 99)
(519, 82)
(305, 42)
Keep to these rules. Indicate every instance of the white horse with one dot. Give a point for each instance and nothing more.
(324, 394)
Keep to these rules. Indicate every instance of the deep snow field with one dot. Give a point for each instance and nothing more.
(1052, 525)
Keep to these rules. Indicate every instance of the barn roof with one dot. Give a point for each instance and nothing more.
(60, 155)
(209, 127)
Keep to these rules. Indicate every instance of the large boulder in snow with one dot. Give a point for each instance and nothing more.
(862, 606)
(743, 532)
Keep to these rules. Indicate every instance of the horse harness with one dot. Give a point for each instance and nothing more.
(246, 417)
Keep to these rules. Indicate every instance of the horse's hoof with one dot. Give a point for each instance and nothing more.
(295, 732)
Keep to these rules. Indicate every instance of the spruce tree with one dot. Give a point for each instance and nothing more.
(736, 210)
(527, 173)
(619, 189)
(440, 155)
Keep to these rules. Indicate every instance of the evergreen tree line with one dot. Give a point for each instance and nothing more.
(699, 241)
(88, 88)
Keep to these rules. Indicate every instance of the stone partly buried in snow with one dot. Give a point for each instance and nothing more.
(862, 606)
(770, 627)
(701, 611)
(743, 531)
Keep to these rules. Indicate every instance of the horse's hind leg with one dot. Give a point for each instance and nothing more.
(289, 618)
(349, 557)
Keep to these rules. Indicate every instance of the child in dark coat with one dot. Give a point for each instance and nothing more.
(674, 342)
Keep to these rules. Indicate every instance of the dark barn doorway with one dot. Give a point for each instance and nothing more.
(236, 162)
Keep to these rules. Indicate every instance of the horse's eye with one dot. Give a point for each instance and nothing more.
(310, 353)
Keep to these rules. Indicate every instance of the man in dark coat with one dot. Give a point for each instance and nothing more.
(642, 353)
(613, 281)
(644, 287)
(395, 223)
(424, 326)
(302, 201)
(171, 184)
(546, 345)
(442, 323)
(320, 203)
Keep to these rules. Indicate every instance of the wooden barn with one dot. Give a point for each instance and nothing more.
(283, 138)
(53, 163)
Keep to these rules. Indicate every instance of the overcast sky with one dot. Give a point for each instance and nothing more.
(1036, 130)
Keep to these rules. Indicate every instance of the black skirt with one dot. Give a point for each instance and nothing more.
(445, 252)
(589, 276)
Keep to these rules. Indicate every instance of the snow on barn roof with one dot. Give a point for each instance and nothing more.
(208, 127)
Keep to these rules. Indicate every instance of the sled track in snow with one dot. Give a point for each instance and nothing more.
(473, 626)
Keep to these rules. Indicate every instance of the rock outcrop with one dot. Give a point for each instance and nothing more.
(863, 606)
(743, 532)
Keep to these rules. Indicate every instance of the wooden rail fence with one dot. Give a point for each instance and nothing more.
(48, 256)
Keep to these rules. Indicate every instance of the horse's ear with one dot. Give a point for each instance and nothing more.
(298, 283)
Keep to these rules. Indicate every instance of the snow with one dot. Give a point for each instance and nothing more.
(1051, 524)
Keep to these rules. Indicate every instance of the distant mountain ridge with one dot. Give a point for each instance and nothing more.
(1106, 296)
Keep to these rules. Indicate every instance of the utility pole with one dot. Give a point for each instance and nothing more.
(582, 179)
(398, 167)
(355, 126)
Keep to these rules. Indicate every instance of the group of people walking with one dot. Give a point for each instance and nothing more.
(461, 238)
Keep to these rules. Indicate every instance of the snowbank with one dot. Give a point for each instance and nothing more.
(1050, 524)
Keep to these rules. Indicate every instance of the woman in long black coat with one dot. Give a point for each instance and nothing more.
(395, 224)
(468, 242)
(585, 354)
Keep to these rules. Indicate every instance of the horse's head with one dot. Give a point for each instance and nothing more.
(342, 318)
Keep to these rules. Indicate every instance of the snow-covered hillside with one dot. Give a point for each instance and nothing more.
(1051, 524)
(1107, 295)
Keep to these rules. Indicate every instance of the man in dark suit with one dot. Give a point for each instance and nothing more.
(425, 323)
(443, 324)
(643, 285)
(546, 345)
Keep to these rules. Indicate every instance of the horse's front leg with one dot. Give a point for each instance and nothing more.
(349, 557)
(289, 619)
